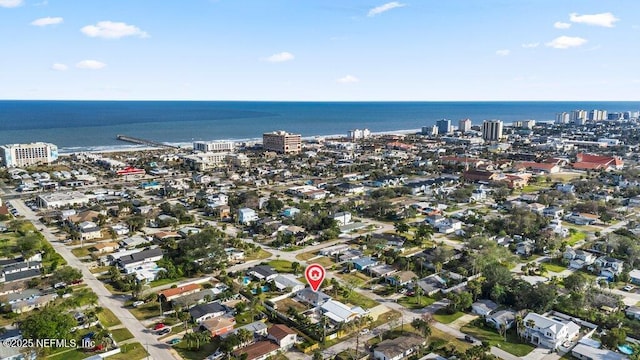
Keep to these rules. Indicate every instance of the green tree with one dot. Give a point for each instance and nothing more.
(48, 323)
(613, 338)
(66, 274)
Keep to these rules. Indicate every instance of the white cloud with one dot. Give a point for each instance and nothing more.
(561, 25)
(10, 3)
(604, 19)
(113, 30)
(530, 45)
(280, 57)
(503, 52)
(565, 42)
(91, 65)
(348, 79)
(383, 8)
(59, 67)
(47, 21)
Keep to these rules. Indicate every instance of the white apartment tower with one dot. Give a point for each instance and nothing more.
(563, 118)
(492, 130)
(464, 125)
(357, 134)
(213, 146)
(282, 142)
(19, 155)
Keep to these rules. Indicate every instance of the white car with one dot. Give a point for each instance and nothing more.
(137, 303)
(364, 331)
(628, 288)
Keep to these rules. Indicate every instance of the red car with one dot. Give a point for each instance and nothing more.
(158, 326)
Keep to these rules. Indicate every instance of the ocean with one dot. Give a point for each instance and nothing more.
(93, 125)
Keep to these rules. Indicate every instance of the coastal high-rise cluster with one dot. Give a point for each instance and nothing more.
(581, 117)
(37, 153)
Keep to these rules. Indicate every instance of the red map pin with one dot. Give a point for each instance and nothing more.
(315, 274)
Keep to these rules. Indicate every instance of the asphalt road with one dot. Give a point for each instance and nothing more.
(157, 350)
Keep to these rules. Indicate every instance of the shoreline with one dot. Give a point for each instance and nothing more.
(106, 149)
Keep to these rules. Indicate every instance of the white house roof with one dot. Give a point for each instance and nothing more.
(340, 312)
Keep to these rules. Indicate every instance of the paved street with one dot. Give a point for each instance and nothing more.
(156, 349)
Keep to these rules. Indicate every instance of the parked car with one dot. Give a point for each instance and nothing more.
(164, 331)
(137, 303)
(469, 339)
(159, 326)
(364, 331)
(174, 341)
(628, 288)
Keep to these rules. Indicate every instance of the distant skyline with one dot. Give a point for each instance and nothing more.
(320, 50)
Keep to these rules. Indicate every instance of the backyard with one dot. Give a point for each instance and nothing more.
(512, 345)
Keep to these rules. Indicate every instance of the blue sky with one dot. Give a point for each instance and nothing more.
(320, 49)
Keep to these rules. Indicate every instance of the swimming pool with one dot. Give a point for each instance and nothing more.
(625, 349)
(246, 280)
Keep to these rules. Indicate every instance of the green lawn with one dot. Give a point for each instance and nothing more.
(259, 255)
(99, 269)
(411, 302)
(281, 266)
(513, 345)
(161, 282)
(554, 267)
(107, 318)
(132, 351)
(324, 261)
(440, 336)
(443, 317)
(356, 299)
(70, 354)
(146, 311)
(81, 251)
(307, 255)
(121, 334)
(354, 279)
(205, 350)
(576, 237)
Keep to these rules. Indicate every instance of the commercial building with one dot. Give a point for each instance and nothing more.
(444, 126)
(19, 155)
(282, 142)
(213, 146)
(597, 115)
(579, 117)
(62, 199)
(464, 125)
(492, 130)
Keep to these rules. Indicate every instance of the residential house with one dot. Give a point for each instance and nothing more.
(333, 250)
(257, 328)
(174, 293)
(525, 247)
(313, 298)
(578, 258)
(364, 263)
(191, 300)
(582, 218)
(342, 218)
(608, 266)
(432, 284)
(139, 258)
(283, 335)
(500, 318)
(382, 270)
(566, 188)
(290, 212)
(22, 275)
(247, 215)
(586, 352)
(260, 350)
(120, 229)
(341, 313)
(262, 272)
(548, 332)
(633, 312)
(288, 282)
(219, 325)
(134, 241)
(634, 276)
(104, 248)
(89, 230)
(483, 307)
(399, 348)
(38, 302)
(200, 313)
(401, 278)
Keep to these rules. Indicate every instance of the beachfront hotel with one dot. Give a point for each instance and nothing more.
(492, 130)
(282, 142)
(214, 146)
(19, 155)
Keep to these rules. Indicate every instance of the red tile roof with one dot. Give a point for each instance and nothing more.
(280, 331)
(257, 349)
(179, 290)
